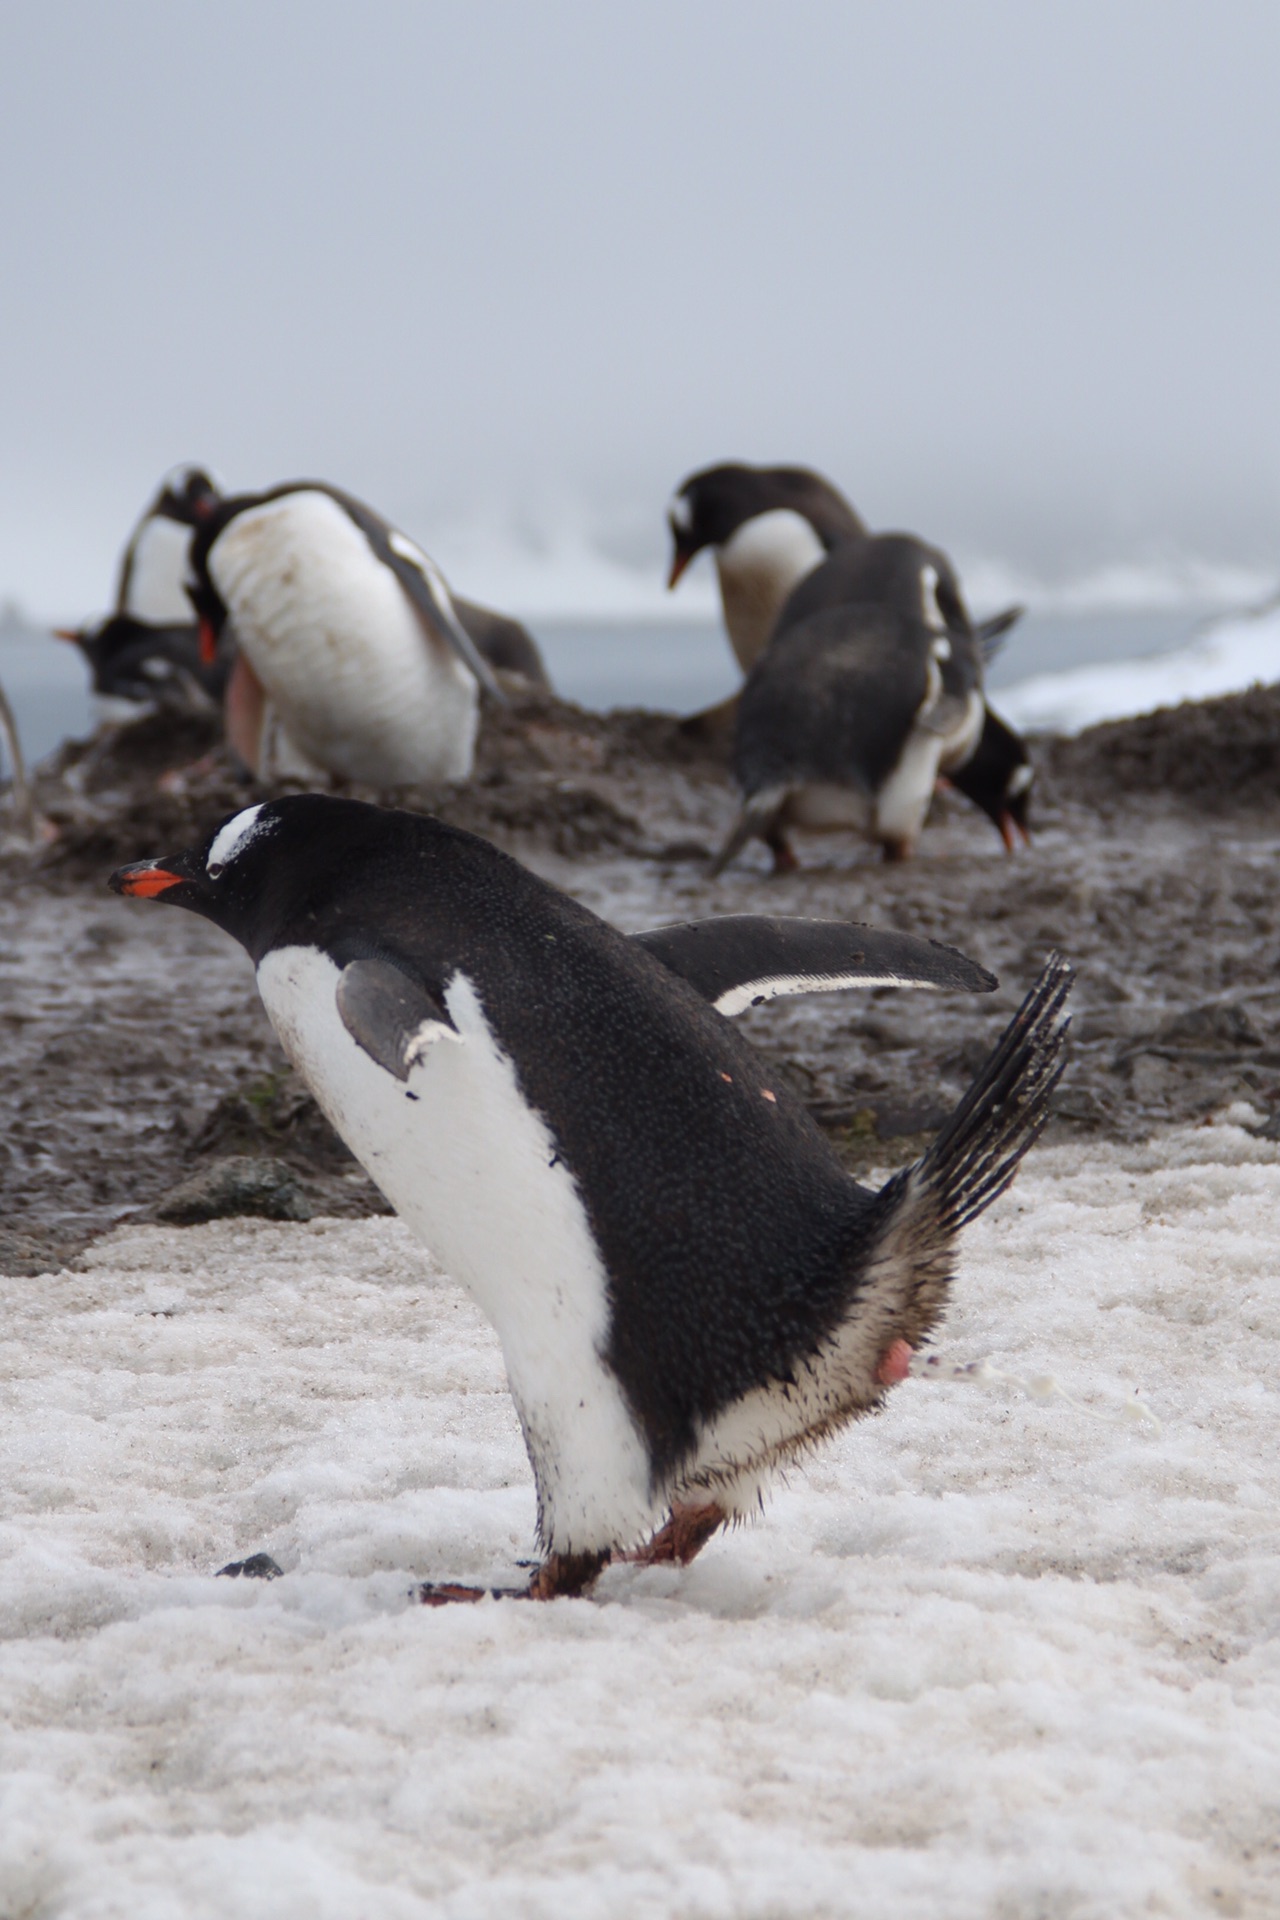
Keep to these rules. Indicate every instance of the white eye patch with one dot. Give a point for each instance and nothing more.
(680, 512)
(1019, 780)
(930, 611)
(234, 838)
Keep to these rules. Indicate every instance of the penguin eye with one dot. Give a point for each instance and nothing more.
(214, 869)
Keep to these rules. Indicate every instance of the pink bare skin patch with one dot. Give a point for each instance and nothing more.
(894, 1364)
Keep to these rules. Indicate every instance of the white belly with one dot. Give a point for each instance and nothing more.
(758, 567)
(903, 800)
(825, 808)
(158, 570)
(359, 686)
(472, 1171)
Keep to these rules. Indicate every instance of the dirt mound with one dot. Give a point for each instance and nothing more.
(1222, 754)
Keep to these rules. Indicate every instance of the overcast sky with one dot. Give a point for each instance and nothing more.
(1008, 271)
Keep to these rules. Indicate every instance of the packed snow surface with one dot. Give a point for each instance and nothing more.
(986, 1655)
(1230, 656)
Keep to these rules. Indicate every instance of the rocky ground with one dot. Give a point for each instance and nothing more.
(138, 1075)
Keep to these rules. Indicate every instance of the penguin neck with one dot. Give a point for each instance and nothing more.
(758, 567)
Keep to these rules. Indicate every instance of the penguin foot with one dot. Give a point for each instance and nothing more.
(561, 1576)
(784, 856)
(681, 1539)
(895, 850)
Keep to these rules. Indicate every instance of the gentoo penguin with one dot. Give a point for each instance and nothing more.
(870, 687)
(688, 1287)
(998, 777)
(768, 527)
(148, 649)
(352, 658)
(771, 526)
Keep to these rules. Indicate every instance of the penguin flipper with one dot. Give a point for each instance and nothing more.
(390, 1016)
(743, 959)
(423, 586)
(990, 634)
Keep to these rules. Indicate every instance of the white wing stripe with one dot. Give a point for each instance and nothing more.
(751, 993)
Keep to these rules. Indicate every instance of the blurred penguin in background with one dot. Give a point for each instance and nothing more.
(768, 529)
(870, 687)
(352, 662)
(146, 651)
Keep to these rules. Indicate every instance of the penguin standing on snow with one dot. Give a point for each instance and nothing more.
(352, 659)
(869, 689)
(148, 647)
(769, 527)
(688, 1287)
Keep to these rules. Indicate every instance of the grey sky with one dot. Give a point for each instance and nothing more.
(1008, 272)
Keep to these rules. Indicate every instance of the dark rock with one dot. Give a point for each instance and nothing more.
(270, 1116)
(27, 1254)
(1220, 1024)
(259, 1566)
(238, 1185)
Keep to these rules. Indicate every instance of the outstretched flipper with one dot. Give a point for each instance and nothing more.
(744, 959)
(391, 1016)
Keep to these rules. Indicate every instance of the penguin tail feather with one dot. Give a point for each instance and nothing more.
(975, 1156)
(758, 814)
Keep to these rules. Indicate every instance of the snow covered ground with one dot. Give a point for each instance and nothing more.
(989, 1655)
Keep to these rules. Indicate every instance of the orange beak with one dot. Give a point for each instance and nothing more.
(1012, 833)
(679, 561)
(144, 881)
(66, 633)
(208, 643)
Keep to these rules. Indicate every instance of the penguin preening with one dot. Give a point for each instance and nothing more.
(870, 687)
(354, 659)
(148, 649)
(688, 1287)
(768, 528)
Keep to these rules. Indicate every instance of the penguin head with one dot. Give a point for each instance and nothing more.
(708, 508)
(122, 656)
(282, 868)
(188, 495)
(250, 876)
(998, 777)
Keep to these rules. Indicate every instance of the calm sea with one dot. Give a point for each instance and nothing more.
(678, 666)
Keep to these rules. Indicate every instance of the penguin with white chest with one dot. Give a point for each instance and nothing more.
(769, 528)
(869, 689)
(147, 650)
(353, 661)
(688, 1288)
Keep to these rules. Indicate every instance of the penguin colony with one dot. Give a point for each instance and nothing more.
(689, 1289)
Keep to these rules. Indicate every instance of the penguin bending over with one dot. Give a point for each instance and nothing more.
(688, 1287)
(769, 527)
(870, 687)
(147, 649)
(353, 661)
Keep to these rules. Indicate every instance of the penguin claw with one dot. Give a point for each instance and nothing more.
(441, 1593)
(559, 1576)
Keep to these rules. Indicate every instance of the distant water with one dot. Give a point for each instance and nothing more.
(683, 665)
